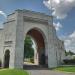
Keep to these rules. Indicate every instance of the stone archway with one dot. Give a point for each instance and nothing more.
(23, 22)
(38, 36)
(6, 59)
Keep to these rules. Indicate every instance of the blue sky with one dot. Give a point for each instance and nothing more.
(62, 10)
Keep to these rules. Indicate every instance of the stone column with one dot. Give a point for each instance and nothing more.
(19, 47)
(52, 62)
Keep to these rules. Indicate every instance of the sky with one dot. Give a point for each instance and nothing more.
(63, 12)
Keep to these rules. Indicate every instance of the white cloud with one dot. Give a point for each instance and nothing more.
(69, 42)
(60, 8)
(2, 13)
(57, 26)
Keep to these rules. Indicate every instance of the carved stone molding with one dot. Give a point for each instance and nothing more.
(30, 19)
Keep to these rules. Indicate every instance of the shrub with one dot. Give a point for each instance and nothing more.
(32, 60)
(69, 61)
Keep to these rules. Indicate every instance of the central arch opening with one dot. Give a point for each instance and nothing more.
(37, 54)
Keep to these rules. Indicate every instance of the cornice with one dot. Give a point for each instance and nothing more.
(31, 19)
(9, 21)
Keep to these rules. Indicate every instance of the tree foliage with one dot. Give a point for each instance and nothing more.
(69, 53)
(28, 50)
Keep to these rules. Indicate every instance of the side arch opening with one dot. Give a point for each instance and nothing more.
(6, 59)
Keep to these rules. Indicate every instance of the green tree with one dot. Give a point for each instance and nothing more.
(69, 53)
(28, 50)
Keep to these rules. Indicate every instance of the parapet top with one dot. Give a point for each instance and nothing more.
(34, 12)
(31, 15)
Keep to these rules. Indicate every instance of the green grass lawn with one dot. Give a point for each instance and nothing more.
(12, 72)
(66, 69)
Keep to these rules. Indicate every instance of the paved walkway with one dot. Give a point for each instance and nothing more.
(39, 70)
(47, 72)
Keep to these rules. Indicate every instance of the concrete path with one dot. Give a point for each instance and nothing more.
(41, 70)
(47, 72)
